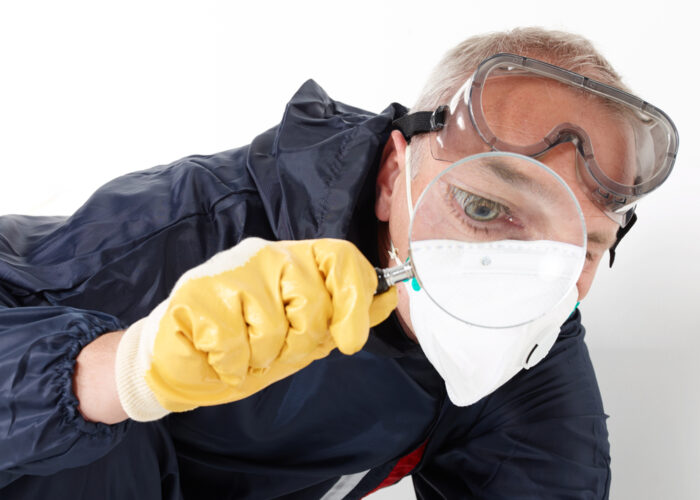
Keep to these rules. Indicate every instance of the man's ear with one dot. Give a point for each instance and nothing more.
(390, 166)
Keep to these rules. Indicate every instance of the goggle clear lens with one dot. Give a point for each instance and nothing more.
(626, 146)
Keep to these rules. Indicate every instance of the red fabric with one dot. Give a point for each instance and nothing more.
(402, 468)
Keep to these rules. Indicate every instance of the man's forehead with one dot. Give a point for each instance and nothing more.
(555, 97)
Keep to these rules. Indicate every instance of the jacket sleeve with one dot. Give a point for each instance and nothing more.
(66, 280)
(40, 427)
(541, 436)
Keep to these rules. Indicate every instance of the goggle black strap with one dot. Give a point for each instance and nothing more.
(621, 232)
(420, 122)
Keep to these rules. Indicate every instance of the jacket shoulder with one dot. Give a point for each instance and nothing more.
(180, 213)
(314, 167)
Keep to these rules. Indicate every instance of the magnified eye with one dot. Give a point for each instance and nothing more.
(476, 207)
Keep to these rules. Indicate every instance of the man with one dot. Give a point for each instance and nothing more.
(128, 288)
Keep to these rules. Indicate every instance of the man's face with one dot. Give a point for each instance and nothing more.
(612, 146)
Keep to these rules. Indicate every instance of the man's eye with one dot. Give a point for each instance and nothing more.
(476, 207)
(482, 209)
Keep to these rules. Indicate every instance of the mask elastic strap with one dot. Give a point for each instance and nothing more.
(394, 253)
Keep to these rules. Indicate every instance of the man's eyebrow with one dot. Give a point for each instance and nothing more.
(502, 170)
(518, 179)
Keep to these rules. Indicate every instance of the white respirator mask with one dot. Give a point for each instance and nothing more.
(474, 361)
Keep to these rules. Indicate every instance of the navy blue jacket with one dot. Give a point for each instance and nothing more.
(341, 427)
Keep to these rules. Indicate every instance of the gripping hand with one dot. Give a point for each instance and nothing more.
(246, 318)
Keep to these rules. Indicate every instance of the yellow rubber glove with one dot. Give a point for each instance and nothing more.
(246, 318)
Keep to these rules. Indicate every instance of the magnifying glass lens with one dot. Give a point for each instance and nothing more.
(497, 240)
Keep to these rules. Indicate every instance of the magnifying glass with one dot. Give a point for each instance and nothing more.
(495, 240)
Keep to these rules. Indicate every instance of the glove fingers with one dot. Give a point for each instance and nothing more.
(218, 328)
(308, 307)
(351, 281)
(263, 306)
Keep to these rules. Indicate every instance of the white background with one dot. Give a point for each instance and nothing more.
(88, 92)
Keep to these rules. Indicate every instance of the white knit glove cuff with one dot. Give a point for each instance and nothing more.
(133, 360)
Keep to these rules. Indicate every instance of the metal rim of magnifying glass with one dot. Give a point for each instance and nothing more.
(533, 161)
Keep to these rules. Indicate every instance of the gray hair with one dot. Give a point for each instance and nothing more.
(572, 52)
(567, 50)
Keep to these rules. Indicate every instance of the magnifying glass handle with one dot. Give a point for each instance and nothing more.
(386, 278)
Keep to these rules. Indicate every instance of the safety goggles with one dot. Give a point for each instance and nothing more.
(625, 147)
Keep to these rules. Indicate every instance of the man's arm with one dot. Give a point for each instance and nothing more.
(94, 382)
(66, 281)
(41, 428)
